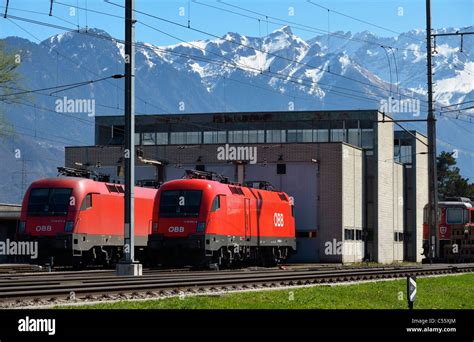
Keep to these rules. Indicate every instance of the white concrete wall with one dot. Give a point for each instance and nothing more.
(398, 215)
(353, 251)
(352, 201)
(384, 196)
(421, 192)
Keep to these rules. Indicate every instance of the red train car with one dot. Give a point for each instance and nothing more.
(79, 220)
(455, 230)
(202, 221)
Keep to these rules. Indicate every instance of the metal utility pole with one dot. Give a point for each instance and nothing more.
(128, 266)
(432, 165)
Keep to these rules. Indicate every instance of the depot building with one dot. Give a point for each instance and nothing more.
(359, 186)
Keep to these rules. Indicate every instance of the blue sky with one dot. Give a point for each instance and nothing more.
(399, 16)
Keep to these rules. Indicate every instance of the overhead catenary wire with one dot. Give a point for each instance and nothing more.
(396, 69)
(301, 82)
(292, 22)
(369, 84)
(389, 68)
(357, 19)
(257, 70)
(67, 86)
(291, 79)
(272, 54)
(457, 104)
(104, 12)
(299, 26)
(251, 47)
(390, 82)
(81, 65)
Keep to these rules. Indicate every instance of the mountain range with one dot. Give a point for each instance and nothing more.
(279, 71)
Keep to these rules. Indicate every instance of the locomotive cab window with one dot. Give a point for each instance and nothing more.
(87, 202)
(49, 201)
(216, 203)
(180, 203)
(454, 216)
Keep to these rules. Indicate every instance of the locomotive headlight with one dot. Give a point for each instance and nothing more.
(22, 227)
(201, 226)
(69, 226)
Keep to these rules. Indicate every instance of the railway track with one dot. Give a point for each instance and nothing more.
(21, 291)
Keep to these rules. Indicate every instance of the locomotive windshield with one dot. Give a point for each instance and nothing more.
(180, 203)
(49, 201)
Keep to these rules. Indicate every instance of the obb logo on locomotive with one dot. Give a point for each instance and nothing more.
(43, 228)
(278, 220)
(176, 229)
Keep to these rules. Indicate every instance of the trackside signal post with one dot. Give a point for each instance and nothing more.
(128, 266)
(411, 291)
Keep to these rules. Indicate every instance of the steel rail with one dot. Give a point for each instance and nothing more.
(56, 278)
(145, 284)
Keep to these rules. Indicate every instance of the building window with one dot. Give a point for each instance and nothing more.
(276, 136)
(348, 234)
(137, 138)
(193, 137)
(233, 137)
(367, 138)
(337, 134)
(300, 135)
(245, 137)
(178, 138)
(307, 135)
(149, 139)
(358, 235)
(281, 169)
(320, 135)
(215, 137)
(162, 138)
(293, 136)
(398, 236)
(238, 137)
(210, 137)
(353, 136)
(256, 136)
(221, 137)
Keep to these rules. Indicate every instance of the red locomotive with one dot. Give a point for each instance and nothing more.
(207, 220)
(80, 221)
(455, 230)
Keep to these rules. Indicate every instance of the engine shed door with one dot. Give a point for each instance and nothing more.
(247, 218)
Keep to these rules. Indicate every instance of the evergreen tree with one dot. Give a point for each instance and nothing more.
(450, 181)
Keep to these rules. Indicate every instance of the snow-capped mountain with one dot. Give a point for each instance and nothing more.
(280, 71)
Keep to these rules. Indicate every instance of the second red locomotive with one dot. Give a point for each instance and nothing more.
(205, 221)
(455, 230)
